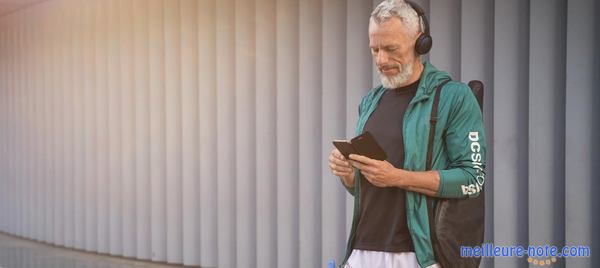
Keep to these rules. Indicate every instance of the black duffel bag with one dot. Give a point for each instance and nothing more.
(455, 222)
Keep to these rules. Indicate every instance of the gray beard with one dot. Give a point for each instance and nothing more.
(396, 81)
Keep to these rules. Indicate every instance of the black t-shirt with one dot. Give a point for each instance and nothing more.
(383, 225)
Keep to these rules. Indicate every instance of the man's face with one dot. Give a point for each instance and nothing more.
(393, 52)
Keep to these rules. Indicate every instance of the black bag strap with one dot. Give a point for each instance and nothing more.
(432, 124)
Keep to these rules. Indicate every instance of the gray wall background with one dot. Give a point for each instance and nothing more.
(197, 132)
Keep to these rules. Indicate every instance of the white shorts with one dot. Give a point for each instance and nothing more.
(378, 259)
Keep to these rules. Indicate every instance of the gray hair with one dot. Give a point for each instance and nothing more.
(399, 9)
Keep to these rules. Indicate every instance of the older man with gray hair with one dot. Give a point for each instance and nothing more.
(390, 224)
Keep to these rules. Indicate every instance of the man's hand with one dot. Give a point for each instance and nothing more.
(341, 167)
(379, 173)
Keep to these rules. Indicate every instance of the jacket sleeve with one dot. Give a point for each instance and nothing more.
(465, 146)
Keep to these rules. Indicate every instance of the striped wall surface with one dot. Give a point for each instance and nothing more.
(197, 132)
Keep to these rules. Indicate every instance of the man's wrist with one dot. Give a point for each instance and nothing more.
(347, 181)
(399, 178)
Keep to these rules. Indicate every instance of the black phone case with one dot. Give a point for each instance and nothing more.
(366, 145)
(345, 148)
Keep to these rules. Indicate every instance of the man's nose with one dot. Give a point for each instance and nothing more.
(381, 58)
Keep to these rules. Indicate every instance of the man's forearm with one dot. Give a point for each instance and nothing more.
(348, 182)
(423, 191)
(425, 182)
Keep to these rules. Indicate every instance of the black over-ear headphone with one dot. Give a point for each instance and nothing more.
(424, 41)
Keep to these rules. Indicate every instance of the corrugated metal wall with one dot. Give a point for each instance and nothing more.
(197, 132)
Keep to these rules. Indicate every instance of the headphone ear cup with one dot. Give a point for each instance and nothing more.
(423, 44)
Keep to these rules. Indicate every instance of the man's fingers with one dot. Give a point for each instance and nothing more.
(339, 162)
(338, 154)
(358, 165)
(341, 173)
(342, 163)
(333, 159)
(340, 168)
(344, 169)
(362, 159)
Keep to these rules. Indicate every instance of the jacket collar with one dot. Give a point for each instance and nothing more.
(430, 79)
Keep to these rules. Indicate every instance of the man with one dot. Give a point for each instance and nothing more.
(390, 224)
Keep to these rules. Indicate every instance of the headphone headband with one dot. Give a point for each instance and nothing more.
(424, 41)
(424, 23)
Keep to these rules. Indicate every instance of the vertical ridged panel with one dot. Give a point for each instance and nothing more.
(511, 141)
(245, 134)
(128, 156)
(207, 106)
(287, 133)
(156, 62)
(197, 132)
(547, 60)
(309, 97)
(333, 126)
(141, 83)
(173, 129)
(190, 133)
(266, 158)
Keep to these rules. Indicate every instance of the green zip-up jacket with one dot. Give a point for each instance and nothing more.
(458, 151)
